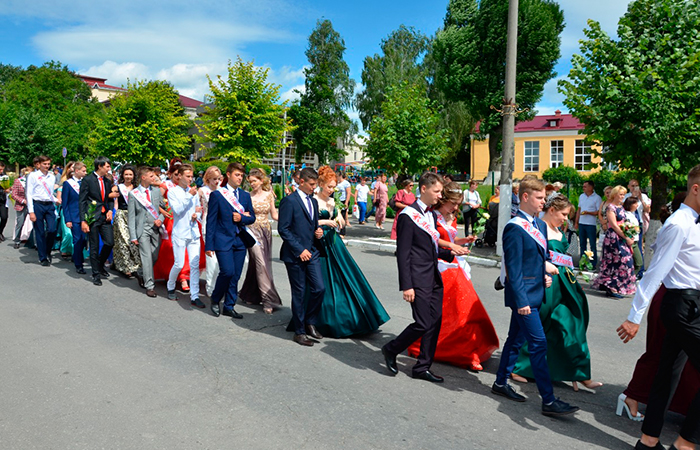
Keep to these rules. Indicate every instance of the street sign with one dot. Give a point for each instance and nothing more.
(65, 152)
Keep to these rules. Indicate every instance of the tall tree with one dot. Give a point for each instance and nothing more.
(401, 61)
(470, 57)
(638, 95)
(406, 137)
(144, 125)
(319, 115)
(246, 121)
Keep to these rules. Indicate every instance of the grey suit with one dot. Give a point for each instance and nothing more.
(142, 228)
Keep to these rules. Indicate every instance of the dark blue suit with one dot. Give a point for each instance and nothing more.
(296, 228)
(229, 240)
(524, 260)
(70, 202)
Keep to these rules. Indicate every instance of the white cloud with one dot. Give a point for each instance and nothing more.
(290, 95)
(286, 75)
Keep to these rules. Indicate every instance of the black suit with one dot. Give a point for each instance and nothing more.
(90, 192)
(417, 257)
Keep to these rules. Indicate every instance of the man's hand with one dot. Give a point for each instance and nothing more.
(109, 215)
(547, 281)
(198, 209)
(319, 233)
(85, 227)
(409, 295)
(525, 311)
(157, 223)
(236, 217)
(627, 331)
(135, 242)
(209, 253)
(193, 191)
(69, 225)
(194, 217)
(305, 255)
(550, 268)
(32, 217)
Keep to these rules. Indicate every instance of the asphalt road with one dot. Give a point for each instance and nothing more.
(85, 367)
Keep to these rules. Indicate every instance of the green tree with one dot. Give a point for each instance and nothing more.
(144, 125)
(406, 138)
(470, 52)
(319, 115)
(638, 95)
(247, 121)
(400, 61)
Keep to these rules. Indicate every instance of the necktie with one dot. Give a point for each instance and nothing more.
(534, 224)
(148, 194)
(311, 208)
(235, 192)
(102, 191)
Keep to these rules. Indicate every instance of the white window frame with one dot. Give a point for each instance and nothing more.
(531, 162)
(582, 155)
(560, 152)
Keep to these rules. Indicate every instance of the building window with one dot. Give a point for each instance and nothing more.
(556, 153)
(582, 155)
(532, 156)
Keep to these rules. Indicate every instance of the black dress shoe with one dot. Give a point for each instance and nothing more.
(508, 392)
(46, 263)
(96, 281)
(80, 270)
(151, 293)
(139, 278)
(390, 361)
(232, 313)
(313, 332)
(104, 273)
(215, 309)
(197, 303)
(559, 408)
(658, 446)
(303, 339)
(428, 376)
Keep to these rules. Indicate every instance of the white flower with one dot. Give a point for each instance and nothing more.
(94, 202)
(589, 254)
(487, 216)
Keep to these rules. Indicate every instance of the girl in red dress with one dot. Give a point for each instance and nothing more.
(467, 336)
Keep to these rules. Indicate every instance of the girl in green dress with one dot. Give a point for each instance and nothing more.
(565, 311)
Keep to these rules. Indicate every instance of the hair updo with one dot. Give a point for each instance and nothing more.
(325, 175)
(557, 202)
(451, 192)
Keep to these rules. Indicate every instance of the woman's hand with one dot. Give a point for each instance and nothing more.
(629, 241)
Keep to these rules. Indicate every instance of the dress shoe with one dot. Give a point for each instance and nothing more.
(428, 376)
(303, 339)
(104, 273)
(172, 295)
(658, 446)
(96, 281)
(80, 270)
(215, 309)
(197, 303)
(508, 392)
(46, 263)
(139, 278)
(390, 361)
(313, 332)
(232, 313)
(17, 245)
(558, 408)
(2, 238)
(151, 293)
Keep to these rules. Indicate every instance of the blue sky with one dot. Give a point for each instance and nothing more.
(182, 40)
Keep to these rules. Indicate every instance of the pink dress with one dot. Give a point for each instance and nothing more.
(382, 196)
(407, 198)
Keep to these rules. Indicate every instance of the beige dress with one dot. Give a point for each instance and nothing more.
(259, 286)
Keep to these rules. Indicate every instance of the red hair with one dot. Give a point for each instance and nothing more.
(325, 175)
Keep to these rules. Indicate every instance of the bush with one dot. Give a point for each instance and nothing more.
(563, 174)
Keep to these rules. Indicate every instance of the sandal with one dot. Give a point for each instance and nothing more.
(184, 286)
(518, 378)
(267, 310)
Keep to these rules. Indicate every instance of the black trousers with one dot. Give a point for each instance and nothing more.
(427, 316)
(470, 218)
(3, 215)
(680, 313)
(100, 229)
(305, 276)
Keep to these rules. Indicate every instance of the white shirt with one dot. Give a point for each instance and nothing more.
(183, 205)
(423, 207)
(362, 192)
(39, 188)
(342, 187)
(676, 261)
(471, 197)
(306, 204)
(590, 204)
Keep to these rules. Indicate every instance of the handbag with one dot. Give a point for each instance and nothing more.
(574, 247)
(392, 202)
(27, 227)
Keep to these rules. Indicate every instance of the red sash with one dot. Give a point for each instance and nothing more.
(151, 209)
(423, 223)
(74, 184)
(451, 232)
(559, 259)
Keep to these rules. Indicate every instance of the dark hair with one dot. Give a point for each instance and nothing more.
(307, 174)
(630, 202)
(100, 161)
(124, 169)
(142, 171)
(591, 183)
(41, 159)
(405, 183)
(174, 164)
(558, 202)
(232, 167)
(694, 176)
(342, 175)
(2, 164)
(184, 168)
(429, 179)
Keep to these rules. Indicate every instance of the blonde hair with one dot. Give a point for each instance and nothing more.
(617, 190)
(67, 171)
(212, 171)
(262, 176)
(529, 184)
(694, 176)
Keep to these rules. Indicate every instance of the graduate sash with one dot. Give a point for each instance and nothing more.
(423, 223)
(124, 192)
(75, 185)
(531, 231)
(151, 209)
(41, 180)
(451, 231)
(233, 201)
(559, 259)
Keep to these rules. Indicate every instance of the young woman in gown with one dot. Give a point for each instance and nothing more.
(127, 259)
(564, 314)
(259, 286)
(65, 234)
(467, 336)
(349, 306)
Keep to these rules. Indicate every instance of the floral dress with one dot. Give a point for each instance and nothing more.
(617, 265)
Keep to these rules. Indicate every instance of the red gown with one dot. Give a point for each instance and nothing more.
(467, 336)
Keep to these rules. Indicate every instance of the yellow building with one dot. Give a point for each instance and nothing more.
(540, 143)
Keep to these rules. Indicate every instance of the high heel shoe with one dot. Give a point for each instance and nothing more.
(622, 406)
(589, 384)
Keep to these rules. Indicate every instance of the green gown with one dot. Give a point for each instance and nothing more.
(564, 318)
(350, 306)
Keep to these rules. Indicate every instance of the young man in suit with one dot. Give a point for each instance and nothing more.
(70, 198)
(145, 222)
(298, 228)
(229, 211)
(40, 204)
(94, 190)
(417, 252)
(525, 276)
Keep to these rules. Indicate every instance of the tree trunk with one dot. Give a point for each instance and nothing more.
(659, 192)
(494, 139)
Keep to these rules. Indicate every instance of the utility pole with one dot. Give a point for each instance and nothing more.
(508, 110)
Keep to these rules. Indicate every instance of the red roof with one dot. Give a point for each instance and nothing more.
(98, 83)
(187, 102)
(544, 123)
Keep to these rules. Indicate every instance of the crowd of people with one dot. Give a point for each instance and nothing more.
(154, 229)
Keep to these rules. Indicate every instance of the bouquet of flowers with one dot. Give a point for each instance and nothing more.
(480, 224)
(629, 229)
(5, 182)
(168, 212)
(340, 206)
(584, 264)
(90, 216)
